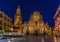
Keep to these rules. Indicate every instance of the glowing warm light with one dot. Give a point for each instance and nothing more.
(12, 29)
(59, 25)
(34, 24)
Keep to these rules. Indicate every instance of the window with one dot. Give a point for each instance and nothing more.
(5, 24)
(0, 14)
(0, 28)
(0, 22)
(5, 17)
(8, 19)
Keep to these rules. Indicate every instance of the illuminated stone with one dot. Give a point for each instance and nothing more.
(18, 21)
(35, 23)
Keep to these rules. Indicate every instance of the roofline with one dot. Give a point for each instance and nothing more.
(57, 12)
(5, 15)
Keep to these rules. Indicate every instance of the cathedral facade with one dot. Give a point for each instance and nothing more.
(35, 23)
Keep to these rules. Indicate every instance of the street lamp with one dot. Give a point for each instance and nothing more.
(11, 29)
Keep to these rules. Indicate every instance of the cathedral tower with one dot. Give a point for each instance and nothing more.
(18, 17)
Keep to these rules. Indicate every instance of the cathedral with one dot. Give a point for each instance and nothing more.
(34, 25)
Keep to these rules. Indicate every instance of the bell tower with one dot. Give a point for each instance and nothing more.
(18, 17)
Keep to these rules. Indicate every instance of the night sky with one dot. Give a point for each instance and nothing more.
(47, 8)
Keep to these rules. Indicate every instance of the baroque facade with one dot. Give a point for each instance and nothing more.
(35, 23)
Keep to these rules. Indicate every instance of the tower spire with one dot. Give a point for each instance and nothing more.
(18, 11)
(18, 6)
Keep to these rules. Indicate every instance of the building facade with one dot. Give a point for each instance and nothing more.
(57, 17)
(57, 21)
(5, 21)
(34, 25)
